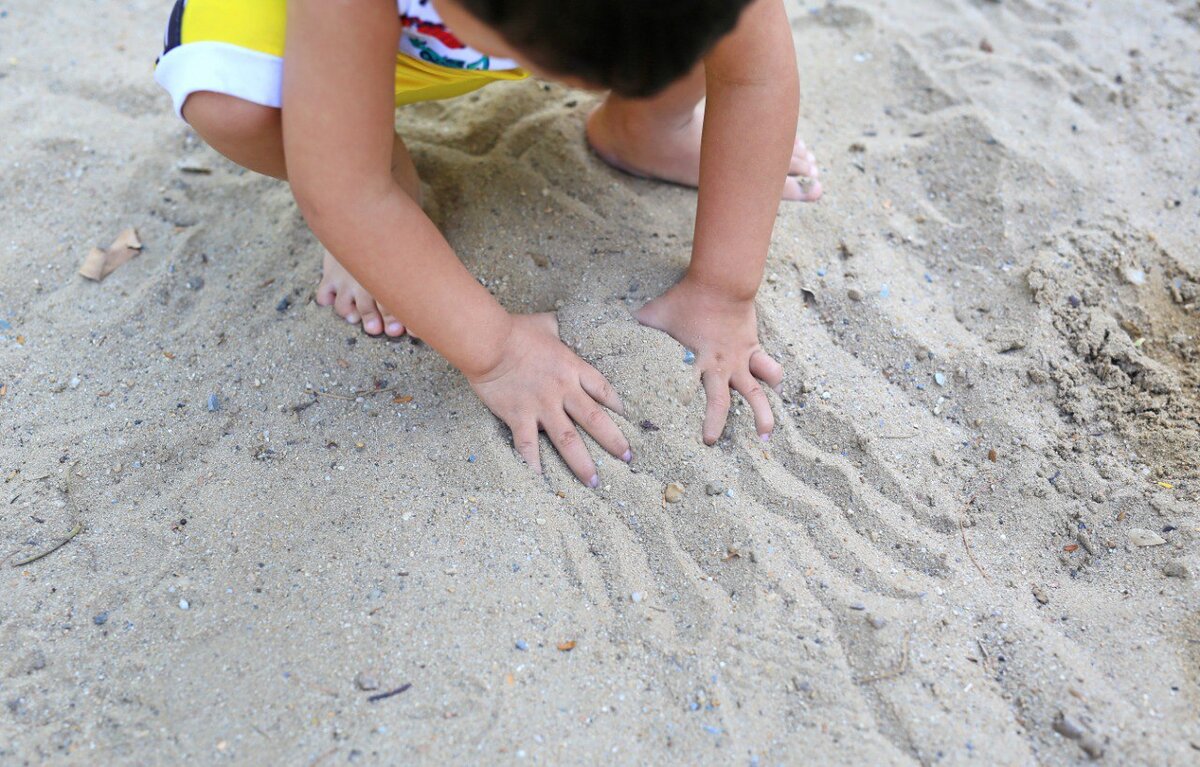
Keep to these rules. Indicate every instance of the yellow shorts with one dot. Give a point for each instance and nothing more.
(235, 47)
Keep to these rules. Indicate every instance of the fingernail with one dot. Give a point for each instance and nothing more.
(352, 319)
(779, 390)
(394, 327)
(628, 456)
(594, 482)
(765, 437)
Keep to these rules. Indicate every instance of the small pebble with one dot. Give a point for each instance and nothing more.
(1176, 569)
(214, 404)
(876, 622)
(184, 604)
(1068, 727)
(858, 606)
(939, 378)
(713, 489)
(885, 291)
(470, 459)
(100, 619)
(74, 382)
(854, 294)
(689, 357)
(522, 645)
(637, 597)
(673, 493)
(283, 305)
(366, 682)
(1091, 746)
(1135, 276)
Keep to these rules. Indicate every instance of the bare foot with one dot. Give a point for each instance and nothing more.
(352, 301)
(672, 152)
(341, 291)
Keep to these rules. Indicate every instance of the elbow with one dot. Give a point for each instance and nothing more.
(323, 201)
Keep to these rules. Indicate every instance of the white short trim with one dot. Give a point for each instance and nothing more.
(221, 68)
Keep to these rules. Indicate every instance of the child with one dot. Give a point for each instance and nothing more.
(322, 118)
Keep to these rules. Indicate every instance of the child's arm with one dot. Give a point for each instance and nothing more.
(338, 120)
(749, 131)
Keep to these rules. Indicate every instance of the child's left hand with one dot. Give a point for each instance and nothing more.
(723, 333)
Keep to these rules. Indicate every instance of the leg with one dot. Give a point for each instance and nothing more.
(252, 136)
(660, 138)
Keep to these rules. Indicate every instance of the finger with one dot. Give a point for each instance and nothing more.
(570, 446)
(764, 420)
(599, 389)
(525, 440)
(716, 392)
(596, 422)
(766, 369)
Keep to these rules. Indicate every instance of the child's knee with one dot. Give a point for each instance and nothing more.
(224, 120)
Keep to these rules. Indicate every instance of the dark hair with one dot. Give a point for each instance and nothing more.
(634, 47)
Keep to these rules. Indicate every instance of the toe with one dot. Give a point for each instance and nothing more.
(392, 326)
(344, 306)
(811, 192)
(801, 190)
(372, 320)
(326, 292)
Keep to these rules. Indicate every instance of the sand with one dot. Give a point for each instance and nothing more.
(935, 561)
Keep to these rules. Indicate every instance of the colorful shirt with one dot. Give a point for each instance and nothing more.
(427, 38)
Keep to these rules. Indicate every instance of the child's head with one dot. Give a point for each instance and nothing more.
(633, 47)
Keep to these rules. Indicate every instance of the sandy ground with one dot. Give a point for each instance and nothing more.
(990, 327)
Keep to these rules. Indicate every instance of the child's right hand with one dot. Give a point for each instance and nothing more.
(541, 385)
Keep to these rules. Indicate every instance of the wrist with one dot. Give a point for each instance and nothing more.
(489, 348)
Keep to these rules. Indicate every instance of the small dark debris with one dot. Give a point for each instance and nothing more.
(284, 304)
(389, 694)
(648, 425)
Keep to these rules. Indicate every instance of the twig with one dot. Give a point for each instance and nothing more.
(901, 666)
(963, 530)
(354, 395)
(385, 695)
(30, 560)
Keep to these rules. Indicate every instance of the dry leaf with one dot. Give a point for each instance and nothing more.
(1141, 537)
(403, 399)
(3, 390)
(100, 263)
(566, 646)
(1071, 547)
(992, 455)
